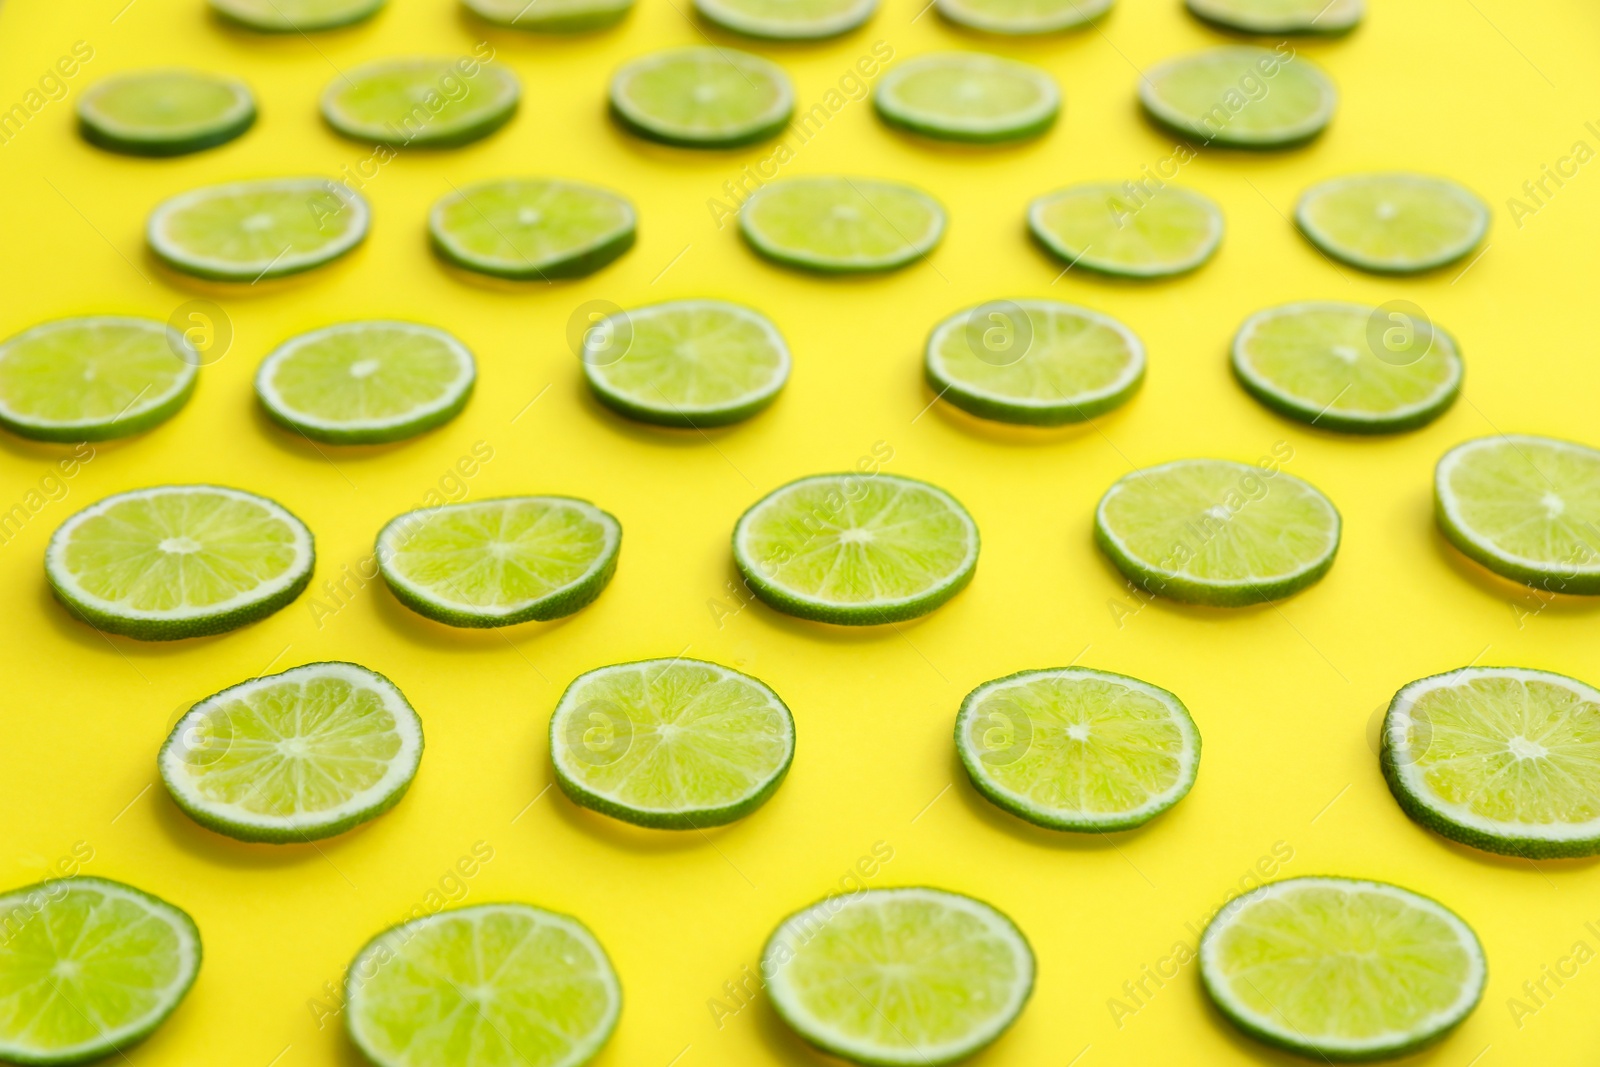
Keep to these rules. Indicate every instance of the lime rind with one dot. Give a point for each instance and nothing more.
(729, 16)
(911, 247)
(336, 15)
(100, 127)
(551, 16)
(575, 260)
(395, 131)
(1080, 253)
(1214, 125)
(323, 199)
(1439, 191)
(754, 71)
(1070, 15)
(1026, 119)
(1330, 19)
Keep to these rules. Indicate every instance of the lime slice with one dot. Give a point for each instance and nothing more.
(968, 96)
(841, 225)
(420, 103)
(1240, 97)
(94, 378)
(1330, 17)
(295, 16)
(364, 383)
(492, 985)
(787, 20)
(1525, 507)
(249, 231)
(532, 228)
(1034, 362)
(1340, 968)
(1105, 228)
(1392, 223)
(1210, 531)
(1020, 18)
(702, 97)
(500, 562)
(858, 550)
(686, 363)
(674, 744)
(551, 16)
(919, 977)
(89, 966)
(297, 756)
(1316, 362)
(165, 112)
(178, 561)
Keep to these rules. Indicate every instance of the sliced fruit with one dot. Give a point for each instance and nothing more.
(1392, 223)
(1525, 507)
(165, 112)
(250, 231)
(532, 228)
(420, 103)
(295, 16)
(1126, 231)
(1240, 97)
(968, 96)
(88, 967)
(702, 97)
(1012, 18)
(1315, 362)
(854, 549)
(787, 20)
(483, 986)
(915, 976)
(1340, 968)
(1330, 17)
(841, 225)
(551, 16)
(500, 562)
(94, 378)
(1211, 531)
(178, 561)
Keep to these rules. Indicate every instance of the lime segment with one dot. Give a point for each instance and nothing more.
(787, 20)
(841, 225)
(702, 97)
(551, 16)
(1392, 223)
(251, 231)
(1240, 97)
(165, 112)
(422, 103)
(1125, 231)
(532, 228)
(1328, 17)
(1018, 18)
(295, 16)
(968, 96)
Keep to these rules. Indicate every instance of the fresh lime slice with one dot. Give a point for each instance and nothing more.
(856, 549)
(94, 378)
(1316, 362)
(1392, 223)
(365, 383)
(1526, 508)
(165, 112)
(295, 16)
(1034, 362)
(250, 231)
(297, 756)
(968, 96)
(1329, 17)
(675, 744)
(1078, 749)
(500, 562)
(532, 228)
(787, 20)
(492, 985)
(686, 363)
(178, 561)
(88, 967)
(420, 103)
(702, 97)
(1341, 969)
(551, 16)
(1240, 97)
(1210, 531)
(1021, 18)
(841, 225)
(890, 977)
(1105, 228)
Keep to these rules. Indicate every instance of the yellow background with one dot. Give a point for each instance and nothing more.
(1483, 90)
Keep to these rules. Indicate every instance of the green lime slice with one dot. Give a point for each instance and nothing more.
(250, 231)
(968, 96)
(1341, 969)
(1240, 97)
(1316, 362)
(702, 97)
(1034, 362)
(1525, 507)
(178, 561)
(492, 985)
(532, 228)
(674, 744)
(915, 977)
(1078, 749)
(500, 562)
(420, 103)
(841, 225)
(857, 550)
(165, 112)
(295, 16)
(551, 16)
(686, 363)
(89, 967)
(1022, 18)
(94, 378)
(365, 383)
(293, 757)
(1211, 531)
(787, 20)
(1127, 232)
(1325, 17)
(1392, 223)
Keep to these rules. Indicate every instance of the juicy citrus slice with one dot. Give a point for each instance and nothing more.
(787, 20)
(1392, 223)
(295, 16)
(1127, 232)
(165, 112)
(968, 96)
(532, 228)
(1017, 18)
(249, 231)
(1329, 17)
(551, 16)
(1240, 97)
(420, 103)
(841, 225)
(702, 97)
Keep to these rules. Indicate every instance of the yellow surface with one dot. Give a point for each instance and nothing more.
(1286, 696)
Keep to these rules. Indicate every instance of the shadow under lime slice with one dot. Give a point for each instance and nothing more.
(1312, 17)
(1125, 232)
(1021, 18)
(1392, 223)
(532, 228)
(421, 103)
(255, 230)
(787, 20)
(295, 16)
(841, 225)
(1240, 97)
(165, 112)
(702, 97)
(551, 16)
(968, 96)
